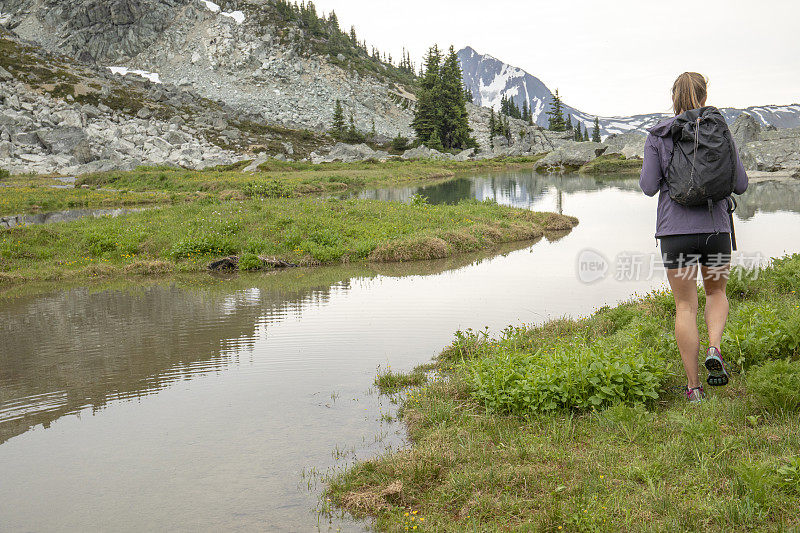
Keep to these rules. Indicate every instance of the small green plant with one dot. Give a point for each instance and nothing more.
(249, 262)
(789, 475)
(776, 385)
(4, 174)
(418, 199)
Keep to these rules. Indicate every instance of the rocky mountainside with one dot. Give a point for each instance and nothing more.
(490, 79)
(60, 116)
(250, 54)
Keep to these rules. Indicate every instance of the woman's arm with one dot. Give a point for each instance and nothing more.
(650, 179)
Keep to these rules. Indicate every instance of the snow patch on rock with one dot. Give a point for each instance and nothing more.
(122, 71)
(237, 16)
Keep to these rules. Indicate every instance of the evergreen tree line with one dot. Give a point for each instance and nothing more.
(346, 131)
(326, 35)
(557, 122)
(440, 118)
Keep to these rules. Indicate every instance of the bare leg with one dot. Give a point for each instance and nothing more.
(715, 280)
(684, 289)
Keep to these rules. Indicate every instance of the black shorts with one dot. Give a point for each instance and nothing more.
(708, 249)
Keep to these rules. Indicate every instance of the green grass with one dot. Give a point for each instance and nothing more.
(307, 231)
(499, 445)
(36, 196)
(295, 178)
(277, 179)
(612, 164)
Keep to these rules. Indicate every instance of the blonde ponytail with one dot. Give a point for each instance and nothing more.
(688, 92)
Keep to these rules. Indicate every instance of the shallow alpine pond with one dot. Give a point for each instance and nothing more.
(196, 403)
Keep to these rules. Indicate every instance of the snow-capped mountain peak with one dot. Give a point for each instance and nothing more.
(490, 79)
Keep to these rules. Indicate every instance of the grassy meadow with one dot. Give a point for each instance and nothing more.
(306, 231)
(580, 425)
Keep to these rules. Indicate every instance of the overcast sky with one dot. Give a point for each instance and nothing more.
(611, 57)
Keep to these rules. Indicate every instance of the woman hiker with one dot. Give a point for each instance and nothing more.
(691, 238)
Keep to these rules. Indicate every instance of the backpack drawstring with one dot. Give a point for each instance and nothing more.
(696, 145)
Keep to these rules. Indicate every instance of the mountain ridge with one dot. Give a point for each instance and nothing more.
(489, 79)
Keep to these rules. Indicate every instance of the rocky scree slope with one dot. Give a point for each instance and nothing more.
(241, 52)
(60, 116)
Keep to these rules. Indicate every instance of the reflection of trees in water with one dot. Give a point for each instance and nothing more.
(769, 197)
(64, 351)
(513, 188)
(525, 188)
(79, 348)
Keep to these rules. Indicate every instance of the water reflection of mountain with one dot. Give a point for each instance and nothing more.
(769, 197)
(64, 351)
(525, 188)
(513, 188)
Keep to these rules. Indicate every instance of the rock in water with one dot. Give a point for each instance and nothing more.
(225, 264)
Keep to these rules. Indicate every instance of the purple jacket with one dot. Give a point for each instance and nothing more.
(673, 218)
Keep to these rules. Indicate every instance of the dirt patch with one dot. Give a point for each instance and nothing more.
(371, 500)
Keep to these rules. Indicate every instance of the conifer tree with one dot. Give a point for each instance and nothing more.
(337, 126)
(492, 124)
(353, 35)
(596, 130)
(556, 117)
(434, 142)
(373, 134)
(525, 111)
(585, 134)
(426, 118)
(568, 126)
(440, 118)
(454, 127)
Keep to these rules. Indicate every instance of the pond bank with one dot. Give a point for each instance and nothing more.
(304, 231)
(575, 425)
(275, 179)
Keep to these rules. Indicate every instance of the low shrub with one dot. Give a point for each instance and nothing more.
(203, 245)
(566, 376)
(776, 385)
(757, 332)
(250, 261)
(4, 174)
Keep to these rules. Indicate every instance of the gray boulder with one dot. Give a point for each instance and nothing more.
(772, 155)
(5, 75)
(423, 152)
(347, 153)
(574, 154)
(61, 140)
(465, 155)
(745, 129)
(630, 144)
